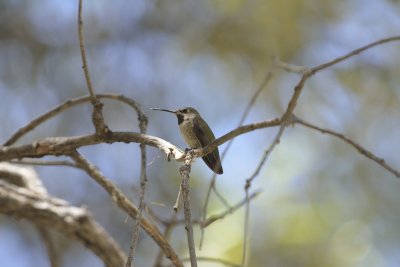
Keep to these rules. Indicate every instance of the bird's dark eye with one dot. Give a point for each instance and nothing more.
(185, 110)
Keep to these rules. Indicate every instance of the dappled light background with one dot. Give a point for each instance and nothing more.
(323, 204)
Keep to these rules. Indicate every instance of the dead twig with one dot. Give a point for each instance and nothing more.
(125, 204)
(362, 150)
(185, 171)
(66, 105)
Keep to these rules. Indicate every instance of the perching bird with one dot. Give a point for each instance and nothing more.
(197, 134)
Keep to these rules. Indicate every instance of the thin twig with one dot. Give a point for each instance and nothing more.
(83, 52)
(125, 204)
(246, 231)
(143, 180)
(354, 52)
(292, 68)
(66, 105)
(169, 225)
(167, 233)
(246, 112)
(185, 171)
(360, 149)
(288, 118)
(307, 74)
(52, 213)
(200, 152)
(50, 246)
(97, 113)
(215, 217)
(265, 157)
(222, 215)
(178, 200)
(247, 187)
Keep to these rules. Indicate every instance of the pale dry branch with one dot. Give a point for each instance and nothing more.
(178, 201)
(143, 180)
(200, 152)
(308, 72)
(97, 113)
(23, 197)
(185, 171)
(353, 53)
(74, 222)
(363, 151)
(68, 104)
(57, 146)
(246, 112)
(167, 233)
(126, 205)
(246, 231)
(216, 217)
(83, 52)
(222, 215)
(50, 246)
(62, 145)
(287, 118)
(247, 187)
(291, 68)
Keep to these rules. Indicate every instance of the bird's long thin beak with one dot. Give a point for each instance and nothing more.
(161, 109)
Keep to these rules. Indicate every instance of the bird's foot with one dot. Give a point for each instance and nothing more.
(189, 154)
(187, 150)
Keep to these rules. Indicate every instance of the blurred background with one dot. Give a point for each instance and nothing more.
(323, 204)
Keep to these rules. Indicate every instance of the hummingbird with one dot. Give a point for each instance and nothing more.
(197, 134)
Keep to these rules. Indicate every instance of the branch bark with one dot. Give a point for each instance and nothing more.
(125, 204)
(23, 197)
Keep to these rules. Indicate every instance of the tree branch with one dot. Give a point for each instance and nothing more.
(57, 146)
(362, 150)
(23, 196)
(68, 104)
(249, 105)
(125, 204)
(185, 171)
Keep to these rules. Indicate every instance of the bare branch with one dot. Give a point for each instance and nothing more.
(214, 218)
(310, 72)
(200, 152)
(246, 112)
(50, 246)
(247, 187)
(292, 68)
(68, 104)
(143, 180)
(178, 201)
(83, 52)
(23, 197)
(353, 53)
(125, 204)
(74, 222)
(360, 149)
(246, 231)
(167, 232)
(62, 145)
(185, 171)
(57, 146)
